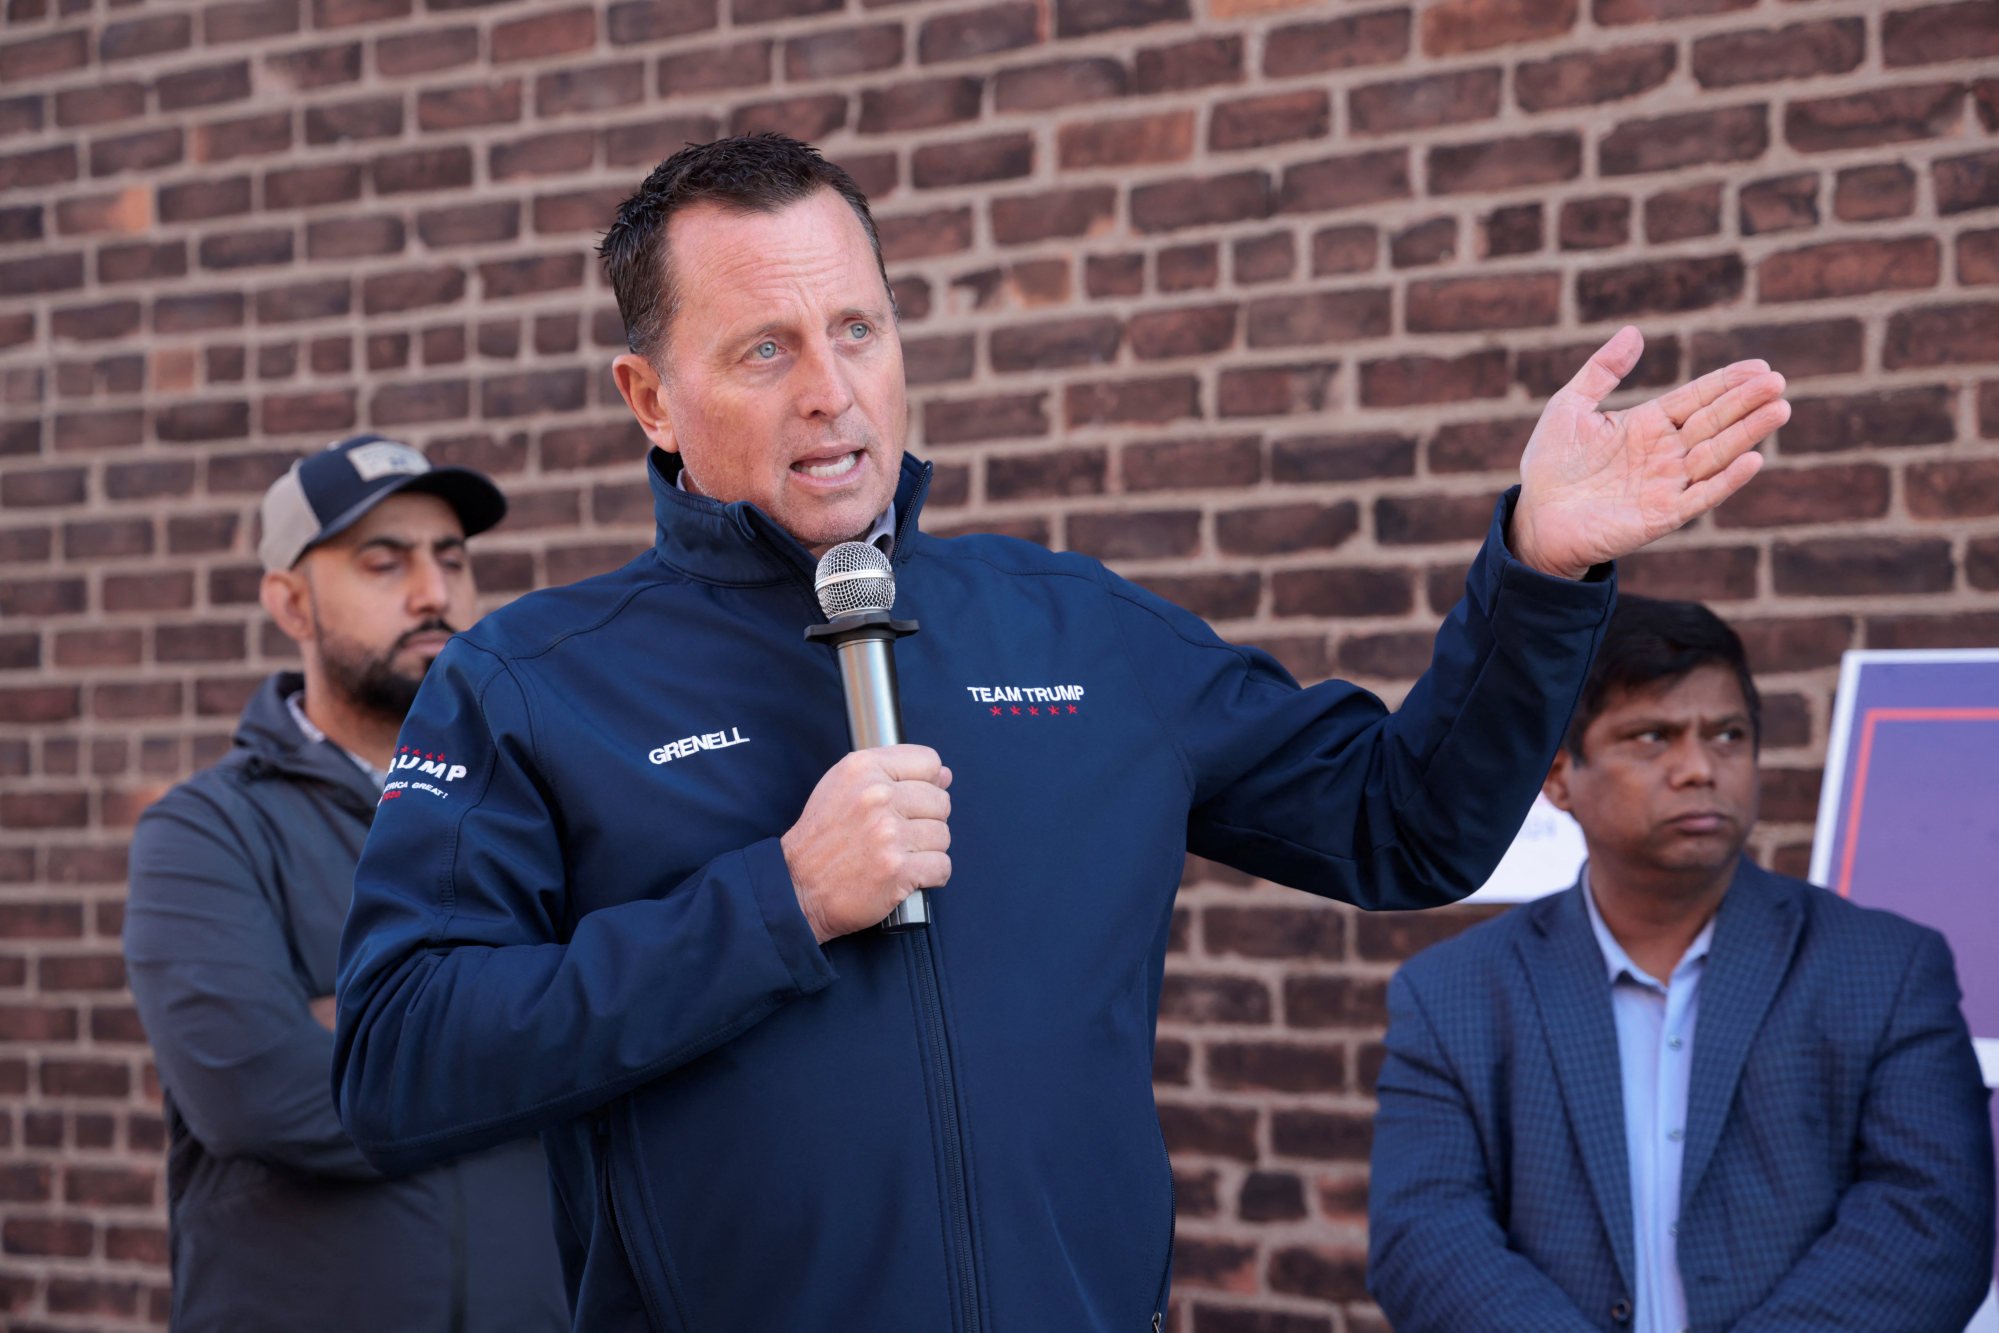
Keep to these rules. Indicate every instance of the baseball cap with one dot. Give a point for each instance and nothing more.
(326, 493)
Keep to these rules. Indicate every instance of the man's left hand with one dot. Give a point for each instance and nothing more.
(1598, 485)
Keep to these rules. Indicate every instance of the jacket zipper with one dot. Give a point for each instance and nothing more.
(956, 1187)
(617, 1226)
(460, 1268)
(1172, 1230)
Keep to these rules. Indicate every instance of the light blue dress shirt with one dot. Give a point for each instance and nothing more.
(1655, 1052)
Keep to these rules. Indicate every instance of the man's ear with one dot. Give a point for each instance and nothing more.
(287, 600)
(1556, 785)
(643, 393)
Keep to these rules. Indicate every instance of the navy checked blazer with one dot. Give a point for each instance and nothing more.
(1838, 1154)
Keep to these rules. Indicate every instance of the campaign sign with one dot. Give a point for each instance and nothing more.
(1906, 813)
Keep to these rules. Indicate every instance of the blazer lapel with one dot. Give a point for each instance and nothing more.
(1755, 936)
(1566, 971)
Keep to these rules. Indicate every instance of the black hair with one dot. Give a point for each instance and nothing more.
(750, 173)
(1650, 641)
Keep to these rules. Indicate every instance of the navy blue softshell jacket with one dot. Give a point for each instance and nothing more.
(573, 916)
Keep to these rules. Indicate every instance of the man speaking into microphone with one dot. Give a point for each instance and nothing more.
(762, 1112)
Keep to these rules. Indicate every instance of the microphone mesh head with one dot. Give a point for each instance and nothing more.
(854, 577)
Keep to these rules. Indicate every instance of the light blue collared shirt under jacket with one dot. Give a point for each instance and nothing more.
(1655, 1051)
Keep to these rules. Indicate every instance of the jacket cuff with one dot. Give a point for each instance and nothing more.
(790, 934)
(1543, 599)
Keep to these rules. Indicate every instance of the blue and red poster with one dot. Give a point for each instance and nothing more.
(1907, 814)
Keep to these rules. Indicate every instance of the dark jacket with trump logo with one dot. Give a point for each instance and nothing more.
(240, 879)
(593, 933)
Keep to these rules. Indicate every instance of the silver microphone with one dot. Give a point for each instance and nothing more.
(856, 588)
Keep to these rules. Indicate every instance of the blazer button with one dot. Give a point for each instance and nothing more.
(1621, 1312)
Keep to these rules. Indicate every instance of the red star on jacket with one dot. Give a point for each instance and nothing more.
(1072, 708)
(996, 710)
(1032, 711)
(1016, 712)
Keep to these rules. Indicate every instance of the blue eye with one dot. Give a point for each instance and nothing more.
(765, 350)
(859, 330)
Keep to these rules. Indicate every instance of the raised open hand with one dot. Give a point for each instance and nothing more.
(1597, 485)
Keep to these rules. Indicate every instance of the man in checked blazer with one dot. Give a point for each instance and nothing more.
(1685, 1093)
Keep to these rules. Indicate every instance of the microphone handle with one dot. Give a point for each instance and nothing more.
(874, 718)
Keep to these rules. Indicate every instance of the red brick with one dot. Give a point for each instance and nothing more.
(547, 34)
(44, 488)
(100, 102)
(1323, 46)
(38, 168)
(1256, 391)
(1942, 335)
(1191, 464)
(1272, 257)
(1864, 120)
(39, 703)
(920, 104)
(107, 538)
(532, 392)
(344, 13)
(1165, 137)
(1273, 118)
(1870, 194)
(1132, 402)
(1665, 143)
(248, 20)
(427, 52)
(469, 224)
(737, 65)
(207, 85)
(167, 591)
(559, 153)
(1585, 78)
(1597, 223)
(1981, 563)
(1670, 285)
(1424, 103)
(1797, 51)
(428, 400)
(769, 11)
(1320, 1272)
(322, 299)
(1821, 347)
(1967, 489)
(132, 39)
(1024, 219)
(1209, 1131)
(1059, 83)
(305, 187)
(1420, 381)
(1505, 164)
(35, 57)
(1967, 183)
(1322, 458)
(1978, 258)
(1060, 472)
(843, 52)
(983, 31)
(61, 1237)
(1782, 203)
(1276, 1067)
(1455, 27)
(1187, 331)
(1510, 301)
(1849, 268)
(1181, 268)
(148, 150)
(1809, 495)
(1678, 215)
(448, 168)
(246, 249)
(1136, 534)
(1861, 566)
(970, 420)
(1966, 30)
(1287, 528)
(972, 161)
(811, 117)
(1345, 182)
(84, 1078)
(1692, 573)
(1056, 344)
(1342, 591)
(354, 237)
(1084, 18)
(1318, 317)
(1613, 12)
(1221, 1265)
(1203, 62)
(1194, 202)
(1957, 630)
(636, 21)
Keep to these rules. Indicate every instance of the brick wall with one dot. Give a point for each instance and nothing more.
(1255, 299)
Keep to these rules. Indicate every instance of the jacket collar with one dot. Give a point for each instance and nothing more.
(1755, 936)
(272, 744)
(737, 543)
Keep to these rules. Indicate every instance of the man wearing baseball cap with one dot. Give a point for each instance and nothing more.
(240, 880)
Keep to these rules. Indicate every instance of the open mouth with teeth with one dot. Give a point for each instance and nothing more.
(828, 469)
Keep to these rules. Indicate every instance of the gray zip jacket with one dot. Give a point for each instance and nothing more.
(240, 881)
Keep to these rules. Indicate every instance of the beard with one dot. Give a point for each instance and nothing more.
(370, 680)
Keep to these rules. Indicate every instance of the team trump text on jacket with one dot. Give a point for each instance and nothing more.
(574, 917)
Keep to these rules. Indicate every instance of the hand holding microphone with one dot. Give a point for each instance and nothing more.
(875, 832)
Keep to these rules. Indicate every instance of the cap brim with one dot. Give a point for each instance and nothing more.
(477, 501)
